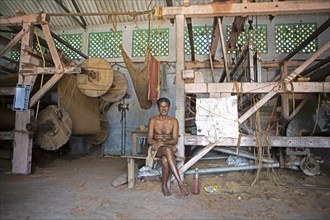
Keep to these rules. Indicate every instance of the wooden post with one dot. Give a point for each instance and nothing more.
(180, 94)
(224, 51)
(22, 144)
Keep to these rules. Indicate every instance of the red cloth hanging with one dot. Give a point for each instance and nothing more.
(154, 81)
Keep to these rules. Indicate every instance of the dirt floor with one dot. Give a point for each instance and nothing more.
(79, 187)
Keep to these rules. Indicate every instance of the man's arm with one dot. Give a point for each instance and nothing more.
(150, 135)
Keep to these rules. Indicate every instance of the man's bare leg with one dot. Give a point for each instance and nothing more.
(165, 176)
(171, 162)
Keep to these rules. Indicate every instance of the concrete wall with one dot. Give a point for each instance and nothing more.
(135, 116)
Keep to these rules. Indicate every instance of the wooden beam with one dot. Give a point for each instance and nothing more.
(191, 38)
(238, 26)
(22, 144)
(59, 2)
(169, 3)
(224, 50)
(256, 88)
(274, 141)
(215, 37)
(179, 94)
(52, 81)
(14, 41)
(285, 83)
(19, 20)
(198, 156)
(52, 48)
(7, 91)
(218, 64)
(6, 135)
(78, 10)
(311, 37)
(219, 9)
(297, 71)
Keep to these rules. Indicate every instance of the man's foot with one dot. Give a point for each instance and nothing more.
(166, 191)
(184, 190)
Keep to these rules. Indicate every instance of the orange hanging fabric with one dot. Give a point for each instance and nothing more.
(154, 72)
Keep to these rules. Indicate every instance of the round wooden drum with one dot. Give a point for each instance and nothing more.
(54, 128)
(118, 88)
(96, 77)
(103, 133)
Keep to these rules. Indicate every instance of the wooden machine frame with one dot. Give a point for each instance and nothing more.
(29, 68)
(243, 9)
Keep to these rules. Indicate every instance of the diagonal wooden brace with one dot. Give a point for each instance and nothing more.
(286, 81)
(14, 40)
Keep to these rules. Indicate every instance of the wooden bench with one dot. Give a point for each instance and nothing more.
(132, 167)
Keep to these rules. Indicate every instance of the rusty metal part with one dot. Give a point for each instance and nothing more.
(310, 166)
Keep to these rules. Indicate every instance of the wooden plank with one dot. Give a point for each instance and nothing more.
(7, 91)
(52, 48)
(215, 37)
(191, 38)
(14, 40)
(198, 156)
(264, 87)
(311, 37)
(274, 141)
(52, 81)
(219, 9)
(285, 97)
(19, 20)
(179, 94)
(217, 64)
(297, 71)
(52, 70)
(22, 144)
(131, 172)
(6, 135)
(224, 51)
(256, 106)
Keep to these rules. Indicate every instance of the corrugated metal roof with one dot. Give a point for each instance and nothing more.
(8, 8)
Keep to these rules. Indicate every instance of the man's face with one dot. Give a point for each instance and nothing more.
(163, 108)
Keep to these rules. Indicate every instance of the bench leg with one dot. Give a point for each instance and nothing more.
(131, 172)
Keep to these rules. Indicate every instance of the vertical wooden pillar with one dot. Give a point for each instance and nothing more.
(285, 96)
(285, 113)
(180, 94)
(22, 144)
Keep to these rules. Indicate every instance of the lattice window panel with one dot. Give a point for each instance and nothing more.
(289, 36)
(105, 44)
(201, 42)
(75, 40)
(258, 36)
(14, 55)
(159, 42)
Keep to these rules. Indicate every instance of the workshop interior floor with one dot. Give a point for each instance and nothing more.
(79, 187)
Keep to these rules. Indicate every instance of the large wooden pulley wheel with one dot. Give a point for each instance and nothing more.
(96, 77)
(118, 88)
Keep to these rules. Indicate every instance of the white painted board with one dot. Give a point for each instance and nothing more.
(217, 117)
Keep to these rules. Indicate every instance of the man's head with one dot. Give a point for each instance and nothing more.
(163, 106)
(163, 99)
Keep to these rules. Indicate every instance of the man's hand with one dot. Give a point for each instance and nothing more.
(157, 145)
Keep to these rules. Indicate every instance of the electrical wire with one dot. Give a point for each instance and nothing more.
(42, 76)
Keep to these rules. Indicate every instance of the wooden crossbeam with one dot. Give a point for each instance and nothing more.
(19, 20)
(219, 9)
(274, 141)
(252, 88)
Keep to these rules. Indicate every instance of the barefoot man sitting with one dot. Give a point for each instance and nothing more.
(163, 134)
